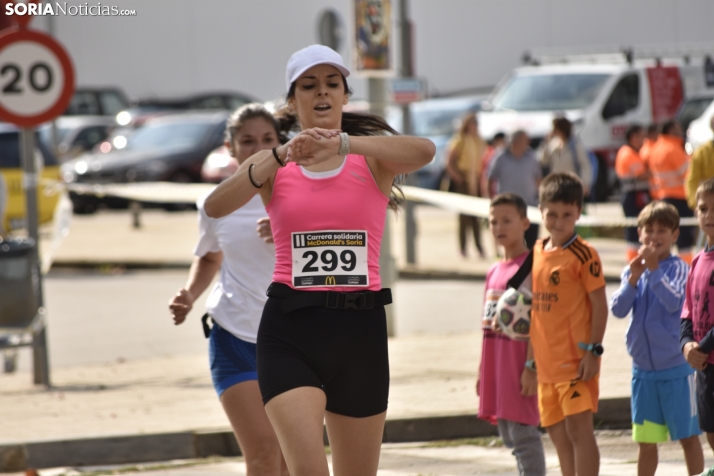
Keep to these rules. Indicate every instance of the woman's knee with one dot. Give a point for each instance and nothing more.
(263, 456)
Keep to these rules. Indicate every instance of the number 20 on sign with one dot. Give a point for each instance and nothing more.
(36, 78)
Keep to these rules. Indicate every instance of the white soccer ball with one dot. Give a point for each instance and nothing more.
(513, 314)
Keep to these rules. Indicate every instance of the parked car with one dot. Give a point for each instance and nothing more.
(435, 119)
(48, 192)
(96, 102)
(700, 130)
(169, 148)
(218, 166)
(693, 107)
(77, 135)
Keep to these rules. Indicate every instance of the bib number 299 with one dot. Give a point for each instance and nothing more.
(347, 261)
(330, 258)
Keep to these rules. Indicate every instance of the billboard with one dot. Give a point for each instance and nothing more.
(373, 37)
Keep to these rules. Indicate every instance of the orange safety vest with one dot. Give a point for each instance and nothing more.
(668, 163)
(628, 166)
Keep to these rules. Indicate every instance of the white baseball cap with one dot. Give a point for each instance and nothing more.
(311, 56)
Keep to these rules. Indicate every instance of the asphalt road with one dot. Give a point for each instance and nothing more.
(455, 458)
(96, 317)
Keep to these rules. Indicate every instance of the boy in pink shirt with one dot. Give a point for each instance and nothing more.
(696, 334)
(507, 381)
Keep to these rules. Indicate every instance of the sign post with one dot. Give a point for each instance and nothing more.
(36, 85)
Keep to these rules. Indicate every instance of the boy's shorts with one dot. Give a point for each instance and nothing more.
(661, 405)
(559, 400)
(705, 398)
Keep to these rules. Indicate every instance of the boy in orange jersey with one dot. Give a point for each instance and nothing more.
(568, 321)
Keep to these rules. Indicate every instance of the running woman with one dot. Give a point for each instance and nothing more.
(322, 342)
(236, 302)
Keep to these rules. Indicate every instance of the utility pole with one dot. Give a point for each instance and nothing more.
(407, 71)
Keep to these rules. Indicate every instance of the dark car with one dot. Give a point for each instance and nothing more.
(214, 100)
(77, 134)
(96, 102)
(169, 148)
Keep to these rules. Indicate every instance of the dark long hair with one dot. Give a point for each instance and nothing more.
(354, 124)
(246, 113)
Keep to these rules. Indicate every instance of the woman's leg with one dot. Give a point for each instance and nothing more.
(463, 226)
(255, 435)
(355, 443)
(297, 417)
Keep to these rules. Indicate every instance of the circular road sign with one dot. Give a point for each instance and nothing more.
(36, 78)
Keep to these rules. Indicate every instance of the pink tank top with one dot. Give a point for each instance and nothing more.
(328, 230)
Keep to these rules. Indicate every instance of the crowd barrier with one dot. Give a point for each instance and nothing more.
(169, 192)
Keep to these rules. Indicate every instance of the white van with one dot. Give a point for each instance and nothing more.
(601, 99)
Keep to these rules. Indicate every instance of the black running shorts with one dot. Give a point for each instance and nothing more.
(343, 352)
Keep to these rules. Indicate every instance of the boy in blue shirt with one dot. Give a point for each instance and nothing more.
(663, 384)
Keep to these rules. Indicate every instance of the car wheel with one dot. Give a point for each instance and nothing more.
(84, 204)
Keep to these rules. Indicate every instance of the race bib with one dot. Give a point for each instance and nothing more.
(330, 258)
(489, 307)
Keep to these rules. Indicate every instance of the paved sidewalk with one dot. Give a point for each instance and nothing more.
(433, 376)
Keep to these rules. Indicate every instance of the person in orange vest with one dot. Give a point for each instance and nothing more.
(668, 163)
(650, 139)
(634, 180)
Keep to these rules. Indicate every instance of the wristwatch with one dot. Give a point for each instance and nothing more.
(597, 349)
(530, 365)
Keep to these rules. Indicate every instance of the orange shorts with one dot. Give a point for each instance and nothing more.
(559, 400)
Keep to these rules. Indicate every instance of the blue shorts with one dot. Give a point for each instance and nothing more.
(232, 359)
(664, 401)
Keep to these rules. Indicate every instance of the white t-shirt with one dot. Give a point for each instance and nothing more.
(236, 301)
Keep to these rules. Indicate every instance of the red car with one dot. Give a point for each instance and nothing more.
(218, 166)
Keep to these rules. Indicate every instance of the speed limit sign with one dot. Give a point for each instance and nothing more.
(36, 78)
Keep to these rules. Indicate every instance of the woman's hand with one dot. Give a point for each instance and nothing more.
(180, 305)
(313, 146)
(264, 230)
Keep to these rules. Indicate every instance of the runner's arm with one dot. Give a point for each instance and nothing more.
(202, 271)
(237, 190)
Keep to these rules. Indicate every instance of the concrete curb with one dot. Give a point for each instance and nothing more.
(612, 414)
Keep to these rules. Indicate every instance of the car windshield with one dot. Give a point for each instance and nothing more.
(692, 109)
(549, 92)
(46, 134)
(185, 135)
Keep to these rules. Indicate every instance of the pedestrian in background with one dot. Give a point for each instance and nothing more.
(516, 170)
(700, 169)
(466, 150)
(494, 149)
(231, 245)
(668, 163)
(562, 152)
(634, 184)
(650, 139)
